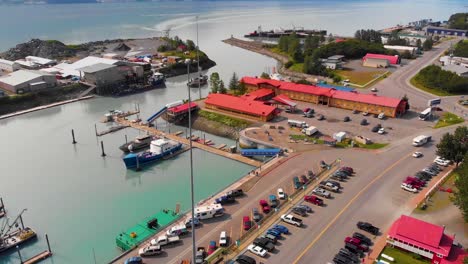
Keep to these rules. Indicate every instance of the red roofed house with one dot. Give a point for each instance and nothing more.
(394, 60)
(425, 239)
(370, 103)
(240, 106)
(180, 111)
(259, 95)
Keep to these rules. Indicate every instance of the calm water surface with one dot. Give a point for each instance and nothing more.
(82, 200)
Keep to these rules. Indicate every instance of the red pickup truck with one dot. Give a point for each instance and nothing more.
(265, 207)
(313, 199)
(357, 242)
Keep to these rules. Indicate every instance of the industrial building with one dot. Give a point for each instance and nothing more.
(240, 106)
(447, 60)
(101, 74)
(392, 59)
(425, 239)
(371, 103)
(458, 69)
(334, 62)
(9, 66)
(441, 31)
(375, 63)
(401, 49)
(23, 81)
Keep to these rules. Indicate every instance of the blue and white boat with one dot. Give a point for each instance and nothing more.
(157, 79)
(159, 149)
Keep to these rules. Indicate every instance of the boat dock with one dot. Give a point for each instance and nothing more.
(111, 130)
(208, 148)
(39, 257)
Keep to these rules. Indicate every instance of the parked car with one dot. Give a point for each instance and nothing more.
(223, 239)
(270, 237)
(346, 119)
(305, 207)
(368, 227)
(341, 174)
(273, 201)
(274, 233)
(281, 194)
(435, 167)
(373, 89)
(188, 222)
(281, 228)
(329, 186)
(335, 183)
(347, 172)
(375, 129)
(256, 216)
(264, 243)
(320, 117)
(299, 211)
(150, 251)
(212, 247)
(297, 183)
(338, 177)
(414, 184)
(381, 131)
(355, 111)
(417, 154)
(349, 169)
(409, 188)
(313, 199)
(225, 199)
(265, 207)
(134, 260)
(243, 259)
(357, 243)
(416, 180)
(235, 193)
(257, 250)
(381, 116)
(363, 122)
(441, 161)
(363, 238)
(246, 223)
(321, 192)
(353, 248)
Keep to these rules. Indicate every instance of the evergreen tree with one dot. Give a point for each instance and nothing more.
(234, 82)
(405, 98)
(461, 195)
(264, 75)
(294, 44)
(190, 45)
(242, 89)
(222, 88)
(427, 45)
(454, 147)
(283, 43)
(214, 82)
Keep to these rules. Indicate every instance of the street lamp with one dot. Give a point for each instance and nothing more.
(191, 160)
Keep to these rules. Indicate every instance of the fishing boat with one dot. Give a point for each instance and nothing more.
(157, 79)
(159, 149)
(12, 235)
(198, 81)
(140, 142)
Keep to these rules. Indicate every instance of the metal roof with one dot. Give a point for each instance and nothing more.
(7, 62)
(39, 60)
(22, 76)
(458, 69)
(96, 68)
(238, 104)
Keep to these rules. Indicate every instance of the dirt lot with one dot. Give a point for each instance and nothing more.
(358, 74)
(396, 128)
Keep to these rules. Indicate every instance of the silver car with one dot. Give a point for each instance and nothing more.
(321, 192)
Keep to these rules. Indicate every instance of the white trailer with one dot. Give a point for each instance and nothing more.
(421, 140)
(296, 123)
(310, 130)
(210, 211)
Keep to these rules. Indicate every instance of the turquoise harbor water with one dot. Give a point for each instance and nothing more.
(82, 200)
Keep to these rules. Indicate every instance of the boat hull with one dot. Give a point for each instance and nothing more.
(146, 158)
(19, 241)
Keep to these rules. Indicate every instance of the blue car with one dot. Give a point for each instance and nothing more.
(134, 260)
(281, 228)
(274, 232)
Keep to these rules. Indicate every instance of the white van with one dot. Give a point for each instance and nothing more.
(223, 239)
(381, 116)
(296, 123)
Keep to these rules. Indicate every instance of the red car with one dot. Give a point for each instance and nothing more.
(313, 199)
(416, 180)
(414, 184)
(348, 169)
(356, 242)
(265, 207)
(246, 223)
(211, 247)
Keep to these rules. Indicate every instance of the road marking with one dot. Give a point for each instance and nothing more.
(346, 207)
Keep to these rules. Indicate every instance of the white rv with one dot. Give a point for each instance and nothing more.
(421, 140)
(210, 211)
(296, 123)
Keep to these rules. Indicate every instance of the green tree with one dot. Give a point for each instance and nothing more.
(283, 43)
(427, 45)
(214, 82)
(222, 88)
(461, 49)
(454, 146)
(242, 89)
(294, 44)
(461, 195)
(234, 82)
(190, 45)
(458, 21)
(264, 75)
(310, 44)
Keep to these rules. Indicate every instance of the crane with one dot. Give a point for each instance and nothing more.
(7, 227)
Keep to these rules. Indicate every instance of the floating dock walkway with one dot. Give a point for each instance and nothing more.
(211, 149)
(37, 258)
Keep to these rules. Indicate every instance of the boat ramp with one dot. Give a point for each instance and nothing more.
(208, 148)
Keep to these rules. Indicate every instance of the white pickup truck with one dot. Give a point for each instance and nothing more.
(290, 219)
(165, 240)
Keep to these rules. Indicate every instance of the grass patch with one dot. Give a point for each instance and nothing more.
(223, 119)
(371, 146)
(358, 77)
(402, 257)
(448, 119)
(297, 67)
(278, 51)
(439, 200)
(437, 92)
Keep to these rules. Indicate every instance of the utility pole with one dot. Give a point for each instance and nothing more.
(198, 65)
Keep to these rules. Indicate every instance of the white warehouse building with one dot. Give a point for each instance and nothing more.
(9, 66)
(23, 81)
(401, 49)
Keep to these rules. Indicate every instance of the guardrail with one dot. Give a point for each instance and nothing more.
(287, 205)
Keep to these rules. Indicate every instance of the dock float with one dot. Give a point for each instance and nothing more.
(137, 234)
(111, 130)
(222, 146)
(39, 257)
(178, 133)
(208, 148)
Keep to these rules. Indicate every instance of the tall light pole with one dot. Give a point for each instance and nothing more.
(191, 162)
(198, 65)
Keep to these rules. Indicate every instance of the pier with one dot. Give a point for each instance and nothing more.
(154, 131)
(37, 258)
(111, 130)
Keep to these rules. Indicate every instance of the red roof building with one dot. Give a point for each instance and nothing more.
(394, 60)
(182, 108)
(353, 100)
(240, 106)
(260, 95)
(422, 238)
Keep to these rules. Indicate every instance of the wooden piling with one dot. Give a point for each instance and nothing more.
(19, 254)
(73, 137)
(103, 154)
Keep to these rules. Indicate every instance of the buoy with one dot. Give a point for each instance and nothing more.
(133, 235)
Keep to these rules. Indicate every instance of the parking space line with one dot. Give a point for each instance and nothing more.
(311, 244)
